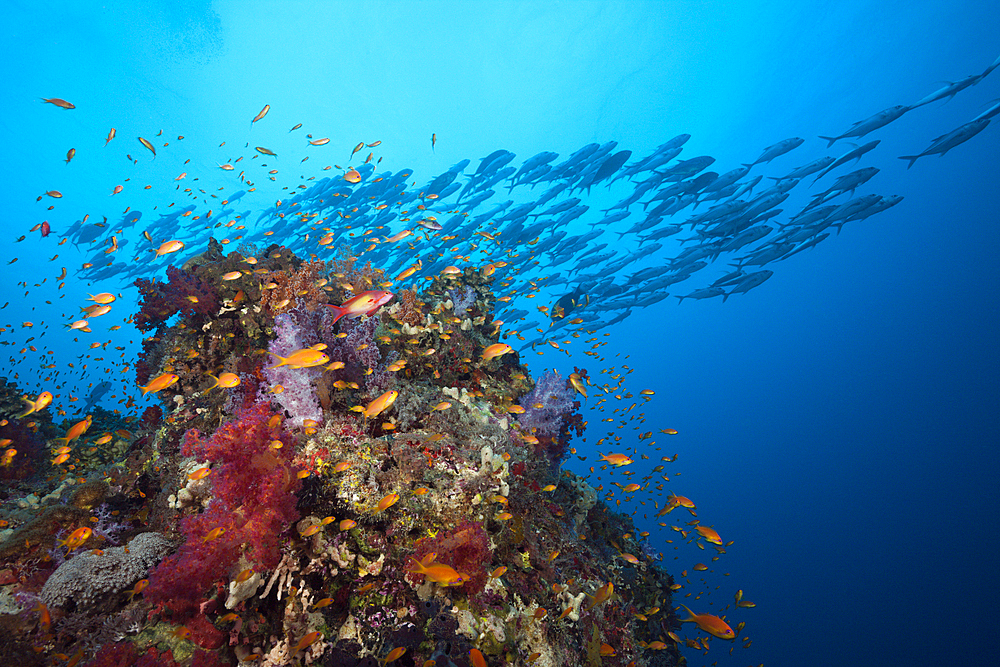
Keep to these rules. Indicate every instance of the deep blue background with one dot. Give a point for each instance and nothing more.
(839, 423)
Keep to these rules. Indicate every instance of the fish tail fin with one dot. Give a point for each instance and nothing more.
(690, 614)
(30, 407)
(748, 165)
(911, 158)
(725, 296)
(216, 381)
(281, 360)
(831, 140)
(340, 312)
(679, 299)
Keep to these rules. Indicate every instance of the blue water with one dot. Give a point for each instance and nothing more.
(839, 423)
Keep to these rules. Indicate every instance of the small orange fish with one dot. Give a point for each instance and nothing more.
(603, 594)
(213, 534)
(306, 642)
(265, 151)
(476, 656)
(352, 176)
(439, 573)
(44, 618)
(709, 534)
(69, 154)
(160, 383)
(148, 146)
(380, 404)
(311, 530)
(263, 112)
(713, 625)
(244, 575)
(496, 350)
(169, 247)
(59, 102)
(394, 654)
(44, 399)
(139, 587)
(325, 602)
(386, 502)
(617, 460)
(76, 538)
(111, 135)
(224, 381)
(319, 142)
(304, 358)
(347, 524)
(200, 473)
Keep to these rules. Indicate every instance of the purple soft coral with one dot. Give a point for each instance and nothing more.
(556, 399)
(299, 395)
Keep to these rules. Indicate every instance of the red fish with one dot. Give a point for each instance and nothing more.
(365, 303)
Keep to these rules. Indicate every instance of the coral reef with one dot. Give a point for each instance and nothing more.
(390, 497)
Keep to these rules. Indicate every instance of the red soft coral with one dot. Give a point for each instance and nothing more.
(162, 300)
(253, 489)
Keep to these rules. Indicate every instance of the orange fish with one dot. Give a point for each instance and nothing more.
(111, 135)
(213, 534)
(312, 530)
(496, 350)
(476, 657)
(307, 641)
(352, 176)
(148, 145)
(357, 148)
(69, 154)
(160, 383)
(617, 460)
(709, 534)
(394, 654)
(77, 430)
(263, 112)
(224, 381)
(244, 575)
(381, 404)
(59, 102)
(169, 247)
(200, 473)
(265, 151)
(439, 573)
(139, 587)
(76, 538)
(713, 625)
(347, 524)
(386, 502)
(603, 594)
(44, 618)
(319, 142)
(44, 399)
(304, 358)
